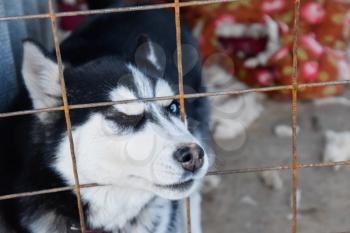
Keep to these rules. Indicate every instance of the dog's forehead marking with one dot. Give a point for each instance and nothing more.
(144, 89)
(163, 89)
(152, 56)
(124, 93)
(142, 83)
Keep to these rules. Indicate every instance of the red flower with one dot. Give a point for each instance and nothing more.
(264, 77)
(310, 71)
(313, 13)
(273, 6)
(310, 43)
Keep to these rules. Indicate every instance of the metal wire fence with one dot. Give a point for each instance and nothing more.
(293, 167)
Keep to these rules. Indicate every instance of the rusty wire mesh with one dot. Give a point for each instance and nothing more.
(293, 167)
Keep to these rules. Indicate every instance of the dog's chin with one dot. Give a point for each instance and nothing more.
(176, 191)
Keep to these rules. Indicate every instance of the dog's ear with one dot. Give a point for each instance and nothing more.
(149, 56)
(41, 76)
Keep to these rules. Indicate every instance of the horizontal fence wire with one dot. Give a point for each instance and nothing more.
(186, 96)
(225, 172)
(115, 10)
(294, 87)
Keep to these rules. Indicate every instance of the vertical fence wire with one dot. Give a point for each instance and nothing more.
(67, 114)
(181, 94)
(179, 59)
(294, 155)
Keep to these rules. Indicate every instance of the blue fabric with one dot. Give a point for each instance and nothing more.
(11, 35)
(8, 76)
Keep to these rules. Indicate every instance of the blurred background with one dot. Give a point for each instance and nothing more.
(248, 44)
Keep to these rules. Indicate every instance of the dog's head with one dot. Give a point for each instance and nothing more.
(140, 145)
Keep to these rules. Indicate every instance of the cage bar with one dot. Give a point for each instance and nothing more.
(67, 115)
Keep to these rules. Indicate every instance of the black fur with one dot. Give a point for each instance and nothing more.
(95, 55)
(99, 4)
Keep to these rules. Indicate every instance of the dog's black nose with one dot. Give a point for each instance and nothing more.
(190, 156)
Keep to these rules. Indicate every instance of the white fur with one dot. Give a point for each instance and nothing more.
(142, 83)
(163, 89)
(123, 93)
(196, 200)
(107, 209)
(152, 55)
(112, 207)
(159, 208)
(41, 77)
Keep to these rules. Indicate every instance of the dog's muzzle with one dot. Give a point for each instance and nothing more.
(190, 156)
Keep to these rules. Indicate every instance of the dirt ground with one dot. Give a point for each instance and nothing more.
(325, 193)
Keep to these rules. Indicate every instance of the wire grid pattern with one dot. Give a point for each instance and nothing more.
(293, 167)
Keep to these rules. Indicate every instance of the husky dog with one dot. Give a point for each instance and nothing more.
(143, 156)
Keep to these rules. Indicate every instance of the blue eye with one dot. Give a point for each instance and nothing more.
(174, 107)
